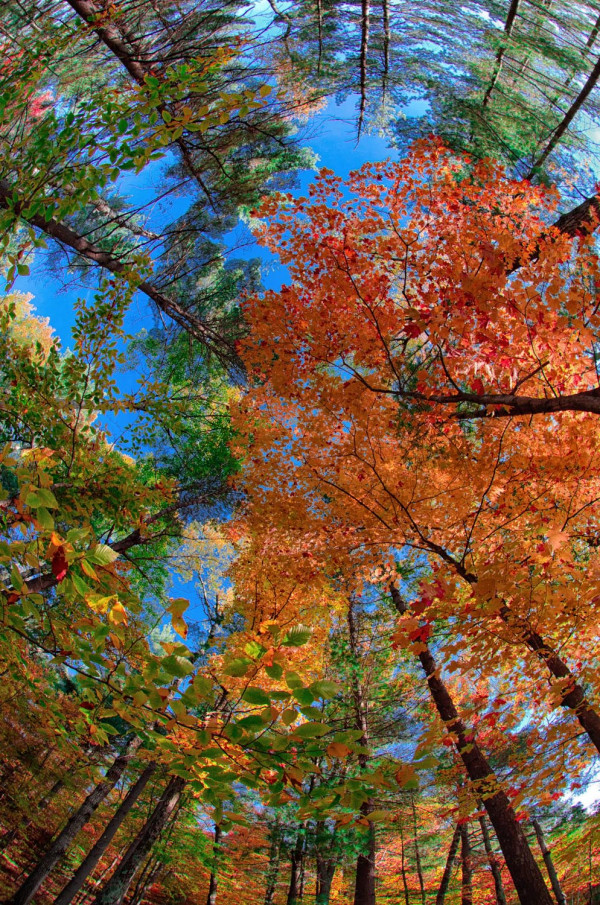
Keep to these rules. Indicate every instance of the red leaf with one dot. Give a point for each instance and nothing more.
(59, 564)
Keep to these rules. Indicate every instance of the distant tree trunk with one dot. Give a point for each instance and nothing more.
(212, 884)
(89, 863)
(417, 852)
(466, 861)
(88, 893)
(65, 838)
(273, 868)
(445, 882)
(49, 795)
(364, 888)
(523, 867)
(492, 861)
(114, 891)
(147, 876)
(326, 863)
(297, 854)
(547, 856)
(386, 47)
(566, 121)
(510, 18)
(573, 695)
(365, 19)
(403, 862)
(325, 873)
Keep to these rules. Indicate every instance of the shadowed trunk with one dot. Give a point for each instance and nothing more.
(547, 856)
(297, 855)
(65, 838)
(417, 851)
(566, 121)
(274, 858)
(492, 860)
(445, 881)
(523, 867)
(364, 888)
(113, 892)
(466, 863)
(89, 863)
(212, 884)
(403, 862)
(510, 18)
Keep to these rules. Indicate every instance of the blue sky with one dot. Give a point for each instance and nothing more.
(332, 138)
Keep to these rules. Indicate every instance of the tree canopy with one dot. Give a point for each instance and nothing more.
(300, 465)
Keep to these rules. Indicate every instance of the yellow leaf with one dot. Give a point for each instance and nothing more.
(118, 614)
(338, 749)
(179, 626)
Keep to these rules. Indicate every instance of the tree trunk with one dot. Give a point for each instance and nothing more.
(364, 889)
(273, 868)
(521, 864)
(89, 863)
(65, 838)
(573, 695)
(293, 896)
(417, 852)
(547, 856)
(326, 863)
(403, 862)
(212, 884)
(445, 882)
(114, 891)
(386, 48)
(492, 861)
(510, 18)
(131, 56)
(365, 19)
(325, 872)
(466, 862)
(566, 121)
(147, 876)
(69, 238)
(88, 893)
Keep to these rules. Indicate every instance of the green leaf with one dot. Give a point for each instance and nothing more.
(311, 730)
(45, 519)
(297, 636)
(39, 497)
(325, 689)
(293, 680)
(254, 721)
(304, 696)
(254, 650)
(177, 666)
(102, 555)
(275, 671)
(178, 605)
(289, 716)
(80, 586)
(238, 667)
(379, 816)
(254, 695)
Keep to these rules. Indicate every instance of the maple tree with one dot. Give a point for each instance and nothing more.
(385, 291)
(298, 586)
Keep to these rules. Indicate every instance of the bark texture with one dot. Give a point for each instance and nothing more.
(89, 863)
(114, 891)
(521, 864)
(65, 838)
